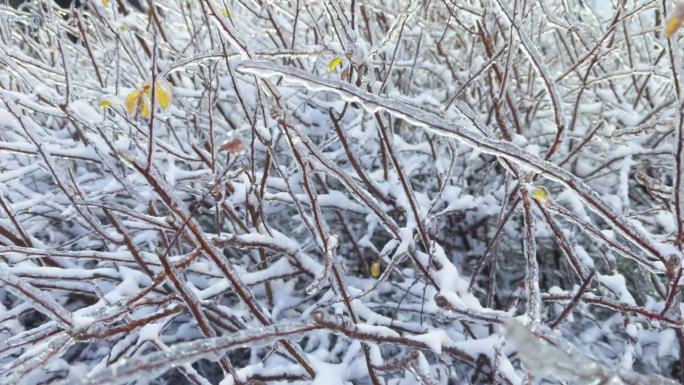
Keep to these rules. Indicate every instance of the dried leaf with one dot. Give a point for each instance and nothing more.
(233, 146)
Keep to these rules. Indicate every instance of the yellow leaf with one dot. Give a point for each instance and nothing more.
(540, 195)
(104, 104)
(375, 269)
(105, 2)
(122, 28)
(144, 110)
(131, 101)
(672, 25)
(334, 63)
(225, 12)
(162, 95)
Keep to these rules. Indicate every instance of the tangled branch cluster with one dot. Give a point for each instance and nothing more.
(334, 192)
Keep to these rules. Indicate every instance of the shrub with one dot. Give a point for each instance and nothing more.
(334, 192)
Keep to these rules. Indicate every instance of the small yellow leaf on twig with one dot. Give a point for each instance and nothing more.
(131, 101)
(672, 25)
(104, 104)
(144, 110)
(162, 94)
(540, 195)
(139, 99)
(105, 2)
(375, 269)
(675, 21)
(334, 63)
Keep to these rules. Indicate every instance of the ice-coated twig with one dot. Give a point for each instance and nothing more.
(408, 162)
(532, 266)
(463, 130)
(150, 365)
(566, 364)
(35, 358)
(543, 71)
(210, 250)
(678, 179)
(38, 299)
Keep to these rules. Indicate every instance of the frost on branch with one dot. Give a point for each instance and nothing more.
(564, 363)
(336, 192)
